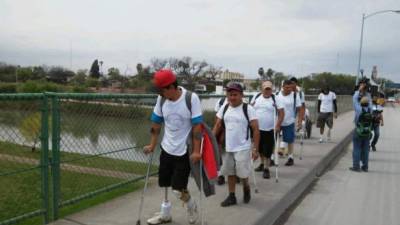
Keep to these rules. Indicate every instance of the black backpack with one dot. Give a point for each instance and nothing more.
(364, 124)
(246, 114)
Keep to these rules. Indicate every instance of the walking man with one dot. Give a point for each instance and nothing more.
(267, 106)
(239, 120)
(327, 109)
(363, 126)
(291, 103)
(179, 121)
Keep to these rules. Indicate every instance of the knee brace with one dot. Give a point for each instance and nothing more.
(182, 195)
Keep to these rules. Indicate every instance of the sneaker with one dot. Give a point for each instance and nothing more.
(290, 162)
(259, 168)
(193, 214)
(321, 140)
(373, 148)
(266, 174)
(280, 153)
(159, 219)
(354, 169)
(221, 180)
(246, 195)
(230, 200)
(364, 168)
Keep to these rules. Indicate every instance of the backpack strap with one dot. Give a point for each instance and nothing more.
(223, 115)
(221, 101)
(274, 100)
(294, 103)
(246, 114)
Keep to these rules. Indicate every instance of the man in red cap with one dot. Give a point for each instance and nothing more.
(172, 110)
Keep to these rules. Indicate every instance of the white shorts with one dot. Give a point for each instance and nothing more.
(237, 163)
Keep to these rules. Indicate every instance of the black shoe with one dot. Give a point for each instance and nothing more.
(266, 174)
(272, 163)
(230, 200)
(221, 180)
(290, 162)
(280, 154)
(246, 195)
(373, 148)
(364, 168)
(259, 168)
(354, 169)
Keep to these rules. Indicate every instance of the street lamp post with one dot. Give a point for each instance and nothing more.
(364, 17)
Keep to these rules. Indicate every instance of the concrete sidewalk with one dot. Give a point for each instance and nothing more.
(345, 197)
(264, 208)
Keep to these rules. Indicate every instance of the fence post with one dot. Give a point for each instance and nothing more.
(55, 149)
(44, 158)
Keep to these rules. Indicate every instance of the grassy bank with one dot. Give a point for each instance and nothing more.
(21, 192)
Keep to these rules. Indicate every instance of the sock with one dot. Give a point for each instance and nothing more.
(291, 156)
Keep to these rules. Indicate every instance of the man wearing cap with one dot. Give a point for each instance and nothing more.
(237, 118)
(179, 121)
(362, 104)
(270, 115)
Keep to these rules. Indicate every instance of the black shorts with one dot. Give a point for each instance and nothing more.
(267, 143)
(173, 171)
(325, 118)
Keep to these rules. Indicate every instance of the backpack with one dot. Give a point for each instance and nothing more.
(273, 100)
(221, 101)
(246, 114)
(364, 124)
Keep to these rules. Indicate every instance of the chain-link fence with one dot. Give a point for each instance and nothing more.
(59, 149)
(23, 159)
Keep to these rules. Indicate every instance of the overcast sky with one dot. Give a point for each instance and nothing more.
(293, 36)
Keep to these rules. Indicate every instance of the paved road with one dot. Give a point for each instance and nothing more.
(343, 197)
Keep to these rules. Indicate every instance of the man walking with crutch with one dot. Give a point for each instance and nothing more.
(267, 107)
(171, 109)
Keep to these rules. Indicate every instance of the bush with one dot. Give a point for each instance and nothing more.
(40, 87)
(8, 88)
(80, 89)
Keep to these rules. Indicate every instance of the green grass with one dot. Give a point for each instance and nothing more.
(21, 193)
(94, 162)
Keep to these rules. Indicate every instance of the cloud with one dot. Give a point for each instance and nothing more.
(296, 36)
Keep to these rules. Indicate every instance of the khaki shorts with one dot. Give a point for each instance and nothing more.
(237, 163)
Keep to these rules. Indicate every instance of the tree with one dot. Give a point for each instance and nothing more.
(95, 70)
(114, 74)
(213, 71)
(79, 78)
(158, 63)
(139, 68)
(59, 75)
(269, 74)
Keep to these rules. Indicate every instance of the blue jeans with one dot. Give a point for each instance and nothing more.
(376, 135)
(360, 151)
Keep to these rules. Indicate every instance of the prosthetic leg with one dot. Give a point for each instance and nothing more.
(164, 216)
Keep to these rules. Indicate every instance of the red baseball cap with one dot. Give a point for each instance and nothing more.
(163, 78)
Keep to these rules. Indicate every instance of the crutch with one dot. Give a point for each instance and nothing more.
(145, 188)
(301, 140)
(253, 173)
(201, 183)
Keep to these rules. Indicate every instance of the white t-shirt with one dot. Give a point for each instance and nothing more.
(178, 122)
(265, 111)
(288, 104)
(301, 94)
(378, 108)
(236, 127)
(327, 102)
(218, 106)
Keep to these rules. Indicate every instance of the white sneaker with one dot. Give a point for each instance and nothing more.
(321, 140)
(159, 219)
(193, 214)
